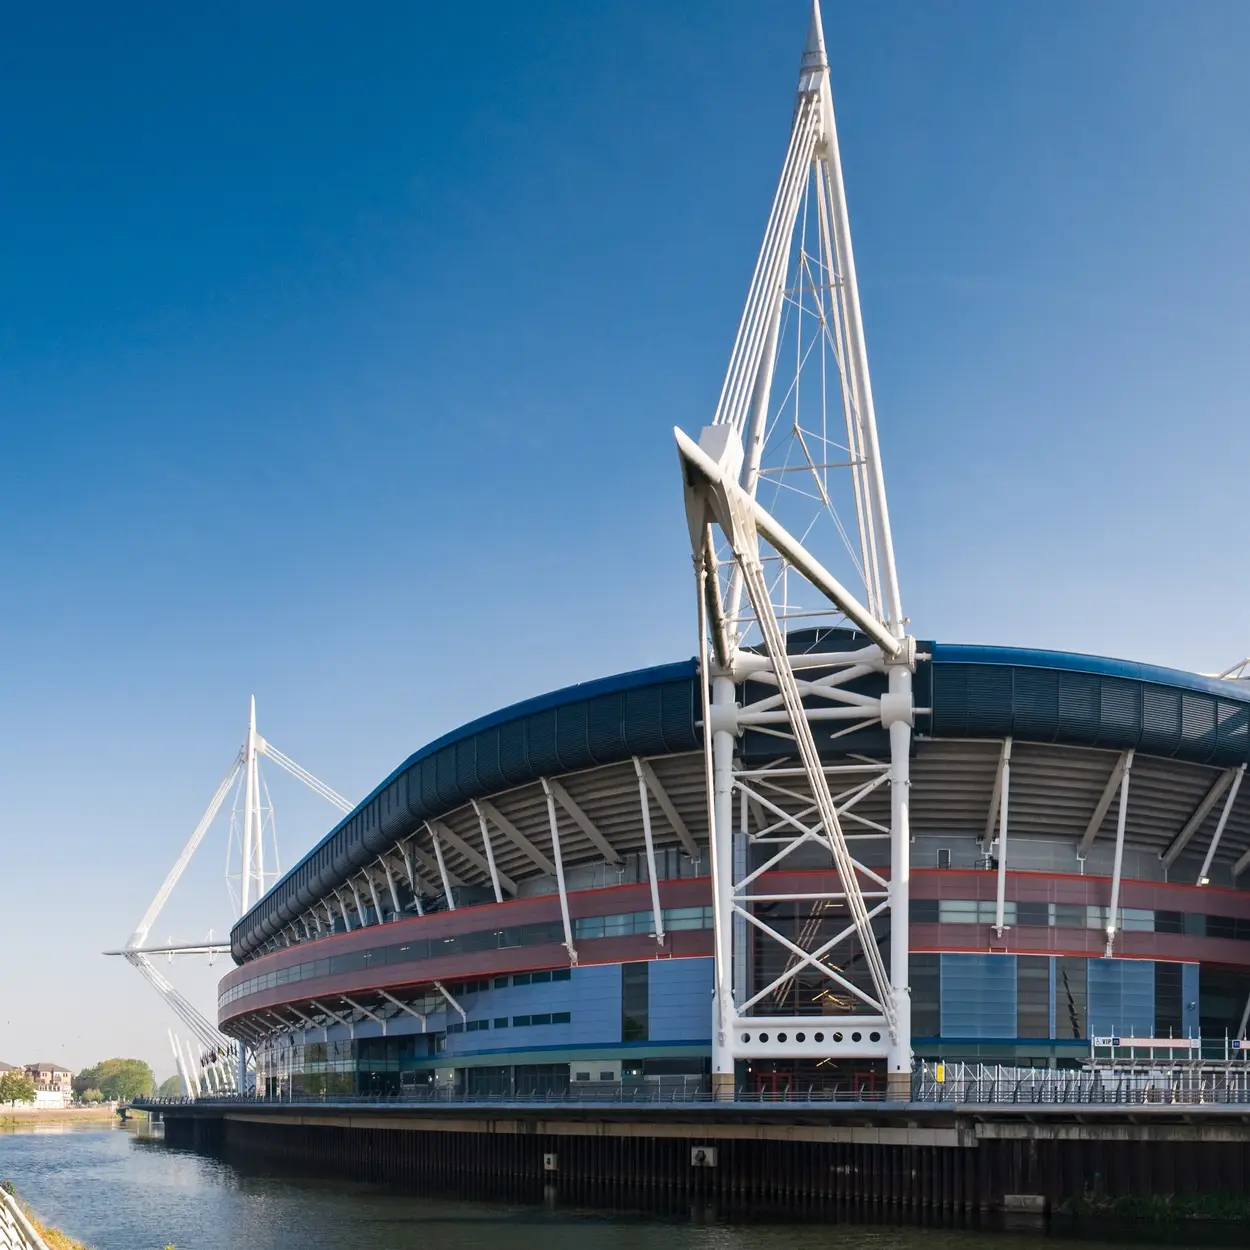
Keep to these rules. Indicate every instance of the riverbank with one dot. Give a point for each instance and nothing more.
(53, 1238)
(21, 1117)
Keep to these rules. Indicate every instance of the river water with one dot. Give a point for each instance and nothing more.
(118, 1190)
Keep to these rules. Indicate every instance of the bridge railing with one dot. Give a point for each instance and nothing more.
(16, 1231)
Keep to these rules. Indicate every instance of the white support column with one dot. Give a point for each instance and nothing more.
(390, 885)
(490, 851)
(1122, 818)
(724, 697)
(414, 881)
(1194, 823)
(1000, 904)
(1204, 874)
(442, 868)
(559, 862)
(338, 898)
(899, 1060)
(644, 797)
(360, 908)
(373, 893)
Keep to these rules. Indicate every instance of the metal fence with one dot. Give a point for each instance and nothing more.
(1187, 1085)
(16, 1231)
(954, 1084)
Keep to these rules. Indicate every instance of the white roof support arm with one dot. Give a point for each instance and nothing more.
(442, 989)
(490, 852)
(1204, 873)
(412, 1011)
(1004, 789)
(360, 910)
(1103, 806)
(415, 884)
(564, 894)
(364, 1011)
(373, 894)
(1113, 916)
(458, 844)
(516, 837)
(346, 1021)
(390, 885)
(645, 800)
(996, 795)
(1201, 812)
(442, 868)
(347, 924)
(583, 822)
(668, 807)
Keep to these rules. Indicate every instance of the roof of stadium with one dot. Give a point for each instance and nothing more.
(1072, 713)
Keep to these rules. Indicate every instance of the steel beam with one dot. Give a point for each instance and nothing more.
(516, 837)
(668, 807)
(457, 843)
(1103, 806)
(583, 822)
(1201, 812)
(1203, 877)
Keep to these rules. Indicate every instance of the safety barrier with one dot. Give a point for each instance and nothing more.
(16, 1231)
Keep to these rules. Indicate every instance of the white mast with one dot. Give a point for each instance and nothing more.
(771, 489)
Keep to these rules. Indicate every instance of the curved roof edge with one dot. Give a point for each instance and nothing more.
(1079, 662)
(567, 696)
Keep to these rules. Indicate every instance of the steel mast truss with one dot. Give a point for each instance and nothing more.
(790, 465)
(245, 771)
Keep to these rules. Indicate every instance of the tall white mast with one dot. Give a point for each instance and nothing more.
(252, 839)
(782, 489)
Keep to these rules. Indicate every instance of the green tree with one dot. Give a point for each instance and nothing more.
(117, 1079)
(91, 1095)
(16, 1087)
(171, 1088)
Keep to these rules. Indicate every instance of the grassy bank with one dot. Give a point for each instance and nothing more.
(15, 1117)
(53, 1238)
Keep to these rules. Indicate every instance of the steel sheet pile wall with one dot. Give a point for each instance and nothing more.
(958, 1169)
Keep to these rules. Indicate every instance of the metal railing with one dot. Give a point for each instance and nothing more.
(951, 1084)
(642, 1096)
(16, 1231)
(1164, 1085)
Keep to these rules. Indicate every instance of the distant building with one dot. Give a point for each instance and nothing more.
(53, 1084)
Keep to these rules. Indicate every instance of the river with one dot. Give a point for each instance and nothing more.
(117, 1190)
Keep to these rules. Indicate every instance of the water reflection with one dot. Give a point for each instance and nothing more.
(120, 1191)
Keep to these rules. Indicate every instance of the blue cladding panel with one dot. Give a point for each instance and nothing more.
(597, 1003)
(1191, 1003)
(680, 1000)
(978, 996)
(1121, 998)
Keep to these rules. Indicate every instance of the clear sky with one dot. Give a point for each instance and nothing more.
(340, 347)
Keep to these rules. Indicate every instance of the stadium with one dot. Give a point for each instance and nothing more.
(817, 854)
(492, 916)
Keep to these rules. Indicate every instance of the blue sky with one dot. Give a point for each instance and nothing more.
(339, 353)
